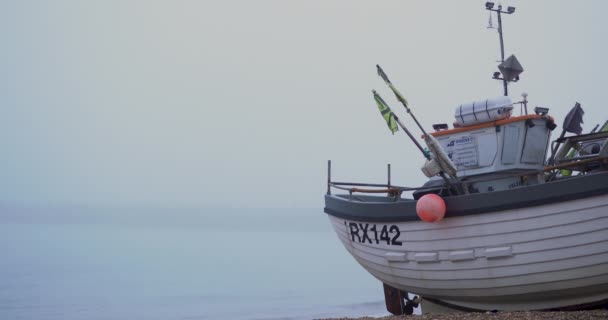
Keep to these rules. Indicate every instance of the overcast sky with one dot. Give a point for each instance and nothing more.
(241, 103)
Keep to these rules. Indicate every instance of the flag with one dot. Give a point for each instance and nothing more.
(387, 113)
(390, 85)
(573, 120)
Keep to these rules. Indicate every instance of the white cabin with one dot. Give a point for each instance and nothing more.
(490, 141)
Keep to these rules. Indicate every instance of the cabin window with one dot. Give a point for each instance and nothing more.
(535, 144)
(510, 144)
(488, 142)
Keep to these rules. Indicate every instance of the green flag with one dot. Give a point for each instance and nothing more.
(398, 95)
(390, 85)
(387, 113)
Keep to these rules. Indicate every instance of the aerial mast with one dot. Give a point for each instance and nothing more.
(510, 68)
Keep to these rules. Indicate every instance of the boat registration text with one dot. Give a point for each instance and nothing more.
(372, 233)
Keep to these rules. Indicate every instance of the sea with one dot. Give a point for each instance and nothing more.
(127, 263)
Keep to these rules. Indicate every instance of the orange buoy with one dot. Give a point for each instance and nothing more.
(430, 207)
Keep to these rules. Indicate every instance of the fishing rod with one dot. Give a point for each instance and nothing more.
(386, 109)
(389, 116)
(443, 161)
(399, 96)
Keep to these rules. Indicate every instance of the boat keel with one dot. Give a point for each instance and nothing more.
(398, 302)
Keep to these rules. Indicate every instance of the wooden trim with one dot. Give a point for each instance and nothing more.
(574, 164)
(489, 124)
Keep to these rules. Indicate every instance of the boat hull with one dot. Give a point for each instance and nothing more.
(551, 255)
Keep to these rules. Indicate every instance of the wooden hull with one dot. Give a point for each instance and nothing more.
(546, 256)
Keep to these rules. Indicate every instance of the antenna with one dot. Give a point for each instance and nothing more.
(510, 69)
(490, 24)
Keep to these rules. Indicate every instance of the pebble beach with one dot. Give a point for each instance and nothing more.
(529, 315)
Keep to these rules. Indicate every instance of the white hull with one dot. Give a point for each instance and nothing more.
(540, 257)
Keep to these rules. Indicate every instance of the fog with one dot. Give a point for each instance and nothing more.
(241, 103)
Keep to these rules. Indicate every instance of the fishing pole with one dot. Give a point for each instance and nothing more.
(388, 115)
(443, 161)
(399, 97)
(383, 103)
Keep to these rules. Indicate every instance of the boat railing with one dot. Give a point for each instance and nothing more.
(358, 187)
(387, 188)
(586, 152)
(582, 147)
(391, 191)
(582, 164)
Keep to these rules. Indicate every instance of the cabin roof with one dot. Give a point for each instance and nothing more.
(489, 124)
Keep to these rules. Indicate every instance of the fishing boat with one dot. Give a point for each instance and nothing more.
(508, 220)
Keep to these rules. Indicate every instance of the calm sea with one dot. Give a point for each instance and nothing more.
(121, 263)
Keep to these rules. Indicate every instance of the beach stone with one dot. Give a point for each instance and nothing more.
(522, 315)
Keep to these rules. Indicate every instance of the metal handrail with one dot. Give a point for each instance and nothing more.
(388, 188)
(339, 185)
(575, 162)
(358, 184)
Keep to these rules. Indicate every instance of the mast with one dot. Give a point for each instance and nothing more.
(510, 68)
(502, 45)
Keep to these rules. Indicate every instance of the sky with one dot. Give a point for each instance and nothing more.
(241, 103)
